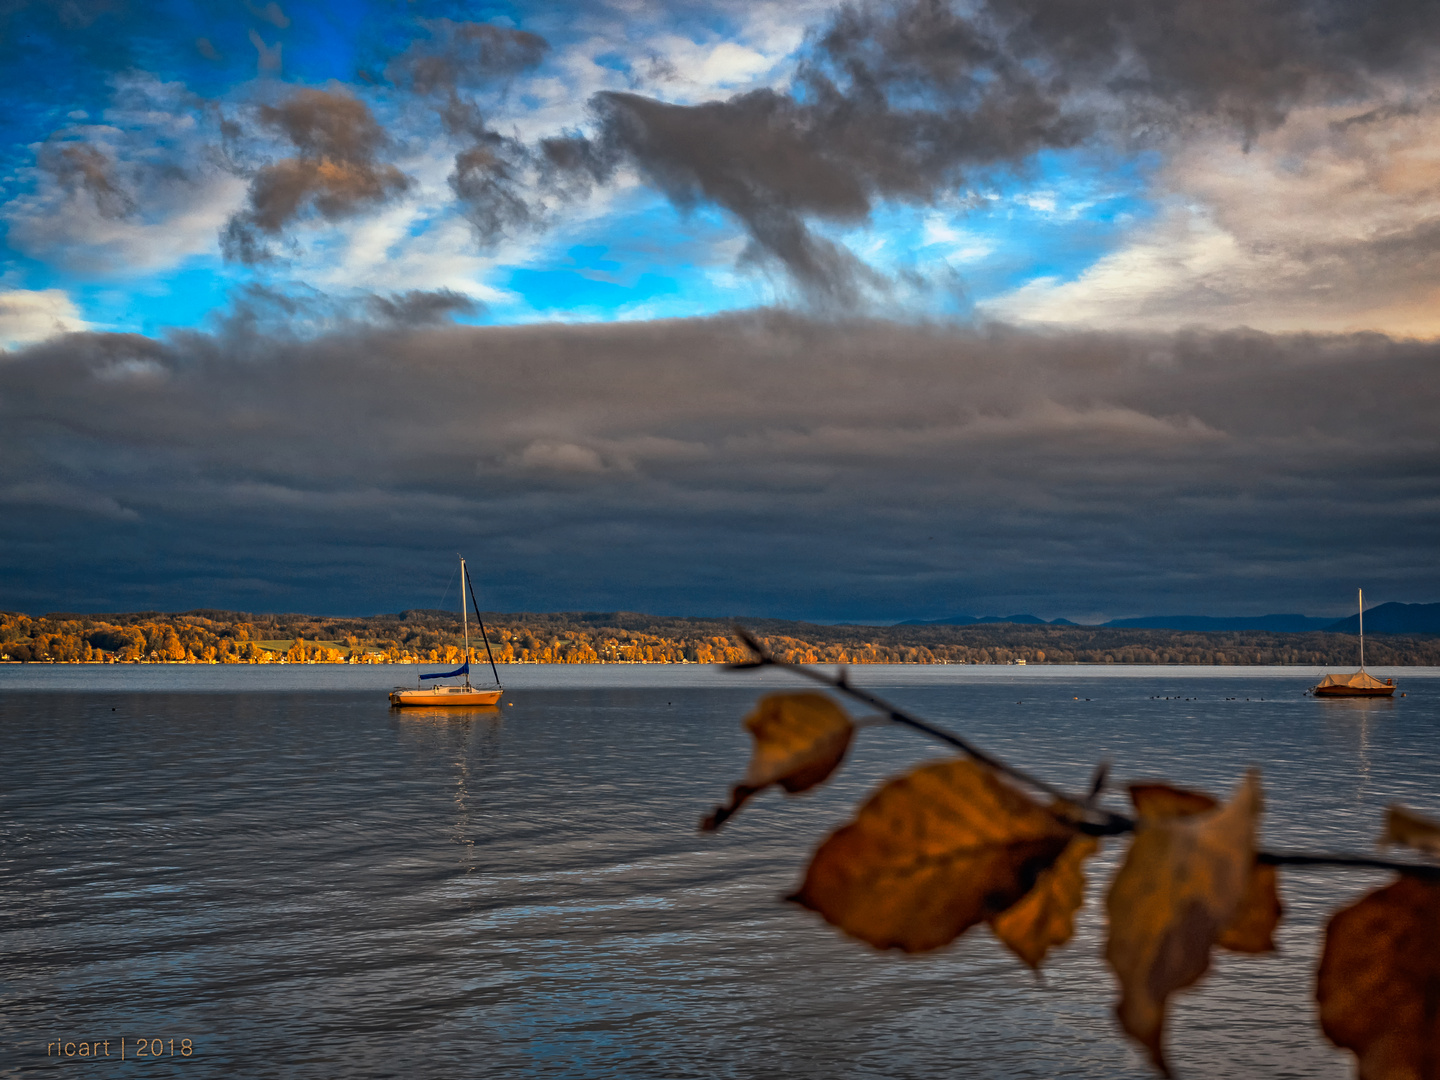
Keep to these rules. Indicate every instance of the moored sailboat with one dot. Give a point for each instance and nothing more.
(1360, 684)
(465, 694)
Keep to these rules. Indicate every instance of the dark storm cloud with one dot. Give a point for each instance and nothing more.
(904, 101)
(758, 463)
(336, 171)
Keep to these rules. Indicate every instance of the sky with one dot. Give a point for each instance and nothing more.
(863, 312)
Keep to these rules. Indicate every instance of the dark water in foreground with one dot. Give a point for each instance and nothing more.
(305, 884)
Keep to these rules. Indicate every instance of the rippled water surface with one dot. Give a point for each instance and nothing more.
(271, 863)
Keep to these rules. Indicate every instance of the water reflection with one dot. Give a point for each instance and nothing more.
(1360, 705)
(454, 735)
(448, 712)
(1352, 718)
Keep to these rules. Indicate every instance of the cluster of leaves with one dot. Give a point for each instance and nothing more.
(959, 842)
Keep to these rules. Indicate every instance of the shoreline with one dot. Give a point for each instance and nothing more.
(670, 663)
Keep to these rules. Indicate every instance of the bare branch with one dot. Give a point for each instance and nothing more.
(1110, 822)
(1107, 823)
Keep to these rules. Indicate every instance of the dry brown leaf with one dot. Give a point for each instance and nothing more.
(929, 855)
(1182, 883)
(1164, 801)
(1044, 918)
(800, 739)
(1252, 930)
(1409, 828)
(1379, 981)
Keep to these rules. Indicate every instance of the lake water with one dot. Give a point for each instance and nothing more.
(272, 864)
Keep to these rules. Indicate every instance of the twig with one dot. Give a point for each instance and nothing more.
(1356, 862)
(1110, 823)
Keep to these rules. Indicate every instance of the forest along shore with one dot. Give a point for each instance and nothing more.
(228, 637)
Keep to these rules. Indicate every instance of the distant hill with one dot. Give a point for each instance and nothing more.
(971, 620)
(1277, 624)
(1393, 619)
(1385, 619)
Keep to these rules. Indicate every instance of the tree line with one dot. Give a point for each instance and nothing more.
(209, 636)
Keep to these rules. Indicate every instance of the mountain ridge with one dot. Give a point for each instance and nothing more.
(1389, 618)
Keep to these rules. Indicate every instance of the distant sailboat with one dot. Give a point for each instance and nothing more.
(1362, 683)
(455, 695)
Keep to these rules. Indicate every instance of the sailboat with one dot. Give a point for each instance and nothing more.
(1362, 683)
(451, 696)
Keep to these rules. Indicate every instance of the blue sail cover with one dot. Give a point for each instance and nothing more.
(463, 669)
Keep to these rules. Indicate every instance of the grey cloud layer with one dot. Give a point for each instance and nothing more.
(756, 463)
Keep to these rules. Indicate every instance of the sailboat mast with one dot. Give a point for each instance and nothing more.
(1362, 628)
(465, 619)
(484, 636)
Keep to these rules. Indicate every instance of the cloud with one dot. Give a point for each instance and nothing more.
(294, 311)
(821, 149)
(268, 58)
(759, 463)
(87, 241)
(774, 160)
(81, 166)
(904, 102)
(139, 190)
(271, 13)
(464, 55)
(418, 308)
(28, 316)
(490, 170)
(336, 171)
(560, 457)
(1329, 222)
(62, 497)
(488, 176)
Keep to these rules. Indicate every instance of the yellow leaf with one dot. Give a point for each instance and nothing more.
(1409, 828)
(1252, 929)
(929, 855)
(800, 739)
(1044, 918)
(1379, 981)
(1182, 883)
